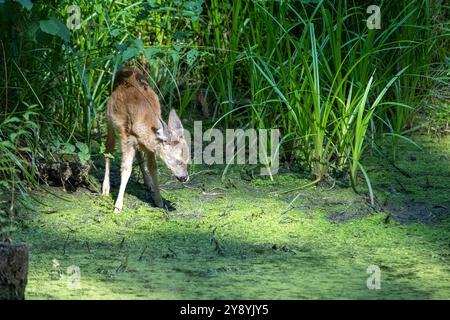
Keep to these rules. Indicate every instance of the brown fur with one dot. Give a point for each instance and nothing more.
(134, 111)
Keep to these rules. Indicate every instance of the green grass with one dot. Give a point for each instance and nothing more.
(242, 243)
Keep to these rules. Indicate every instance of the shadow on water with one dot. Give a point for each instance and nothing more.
(414, 187)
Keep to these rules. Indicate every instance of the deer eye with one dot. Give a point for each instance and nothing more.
(178, 163)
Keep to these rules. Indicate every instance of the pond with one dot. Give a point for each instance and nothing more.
(238, 238)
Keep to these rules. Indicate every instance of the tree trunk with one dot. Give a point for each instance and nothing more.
(13, 271)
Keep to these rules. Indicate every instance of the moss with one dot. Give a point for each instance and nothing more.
(236, 239)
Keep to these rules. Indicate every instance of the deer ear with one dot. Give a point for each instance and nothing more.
(174, 121)
(161, 132)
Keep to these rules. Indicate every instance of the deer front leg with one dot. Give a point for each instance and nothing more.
(147, 179)
(154, 174)
(128, 153)
(110, 141)
(106, 184)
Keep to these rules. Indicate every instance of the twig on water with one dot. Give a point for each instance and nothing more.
(65, 242)
(289, 206)
(142, 253)
(297, 188)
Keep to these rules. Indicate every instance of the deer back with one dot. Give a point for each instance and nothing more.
(133, 106)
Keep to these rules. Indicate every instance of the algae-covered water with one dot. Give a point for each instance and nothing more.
(238, 239)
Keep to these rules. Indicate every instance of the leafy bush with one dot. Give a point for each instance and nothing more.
(311, 68)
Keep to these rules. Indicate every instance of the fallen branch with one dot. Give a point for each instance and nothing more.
(297, 188)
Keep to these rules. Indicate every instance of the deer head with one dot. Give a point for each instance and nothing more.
(173, 148)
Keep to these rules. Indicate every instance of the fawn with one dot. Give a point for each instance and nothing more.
(133, 110)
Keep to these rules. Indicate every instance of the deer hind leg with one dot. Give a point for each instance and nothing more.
(110, 141)
(151, 159)
(147, 180)
(128, 152)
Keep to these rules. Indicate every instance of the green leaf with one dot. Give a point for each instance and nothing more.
(26, 3)
(84, 154)
(191, 56)
(175, 56)
(178, 47)
(150, 52)
(138, 44)
(82, 147)
(84, 157)
(13, 135)
(6, 144)
(98, 8)
(31, 124)
(68, 148)
(152, 4)
(55, 27)
(12, 119)
(196, 7)
(130, 53)
(121, 47)
(115, 32)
